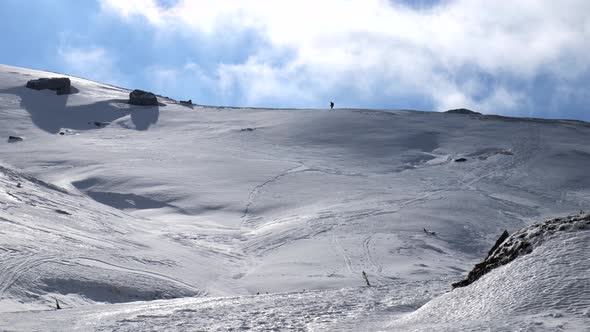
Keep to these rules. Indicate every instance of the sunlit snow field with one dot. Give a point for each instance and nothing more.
(232, 218)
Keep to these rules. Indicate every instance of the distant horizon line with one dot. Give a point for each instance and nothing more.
(489, 115)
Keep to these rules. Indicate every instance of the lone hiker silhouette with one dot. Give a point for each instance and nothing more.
(331, 105)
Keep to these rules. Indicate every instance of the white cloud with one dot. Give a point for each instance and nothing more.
(93, 63)
(261, 82)
(150, 9)
(379, 44)
(177, 78)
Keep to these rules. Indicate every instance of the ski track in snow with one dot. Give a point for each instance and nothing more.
(87, 260)
(342, 251)
(367, 250)
(15, 272)
(256, 190)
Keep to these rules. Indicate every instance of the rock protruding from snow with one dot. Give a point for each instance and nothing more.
(508, 248)
(61, 85)
(12, 139)
(544, 290)
(499, 241)
(463, 111)
(142, 98)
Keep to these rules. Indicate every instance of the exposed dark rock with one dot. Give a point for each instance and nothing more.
(189, 102)
(462, 111)
(39, 84)
(499, 241)
(142, 98)
(460, 160)
(100, 124)
(508, 248)
(13, 139)
(62, 212)
(430, 233)
(248, 129)
(61, 85)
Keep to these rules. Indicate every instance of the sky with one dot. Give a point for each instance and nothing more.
(518, 58)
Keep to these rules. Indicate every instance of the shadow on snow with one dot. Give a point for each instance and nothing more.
(50, 112)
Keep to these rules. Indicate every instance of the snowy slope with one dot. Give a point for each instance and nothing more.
(347, 309)
(545, 290)
(548, 289)
(174, 201)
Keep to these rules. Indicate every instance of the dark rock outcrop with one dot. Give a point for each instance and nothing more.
(142, 98)
(462, 111)
(61, 85)
(460, 160)
(188, 102)
(100, 124)
(499, 241)
(13, 139)
(508, 248)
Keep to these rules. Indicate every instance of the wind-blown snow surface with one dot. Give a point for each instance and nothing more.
(176, 201)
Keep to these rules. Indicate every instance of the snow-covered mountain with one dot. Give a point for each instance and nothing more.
(197, 209)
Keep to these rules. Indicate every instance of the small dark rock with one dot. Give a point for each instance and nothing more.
(61, 85)
(142, 98)
(462, 111)
(62, 133)
(13, 139)
(248, 129)
(189, 102)
(101, 124)
(62, 212)
(430, 233)
(460, 160)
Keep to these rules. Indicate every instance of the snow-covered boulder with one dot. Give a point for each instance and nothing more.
(142, 98)
(61, 85)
